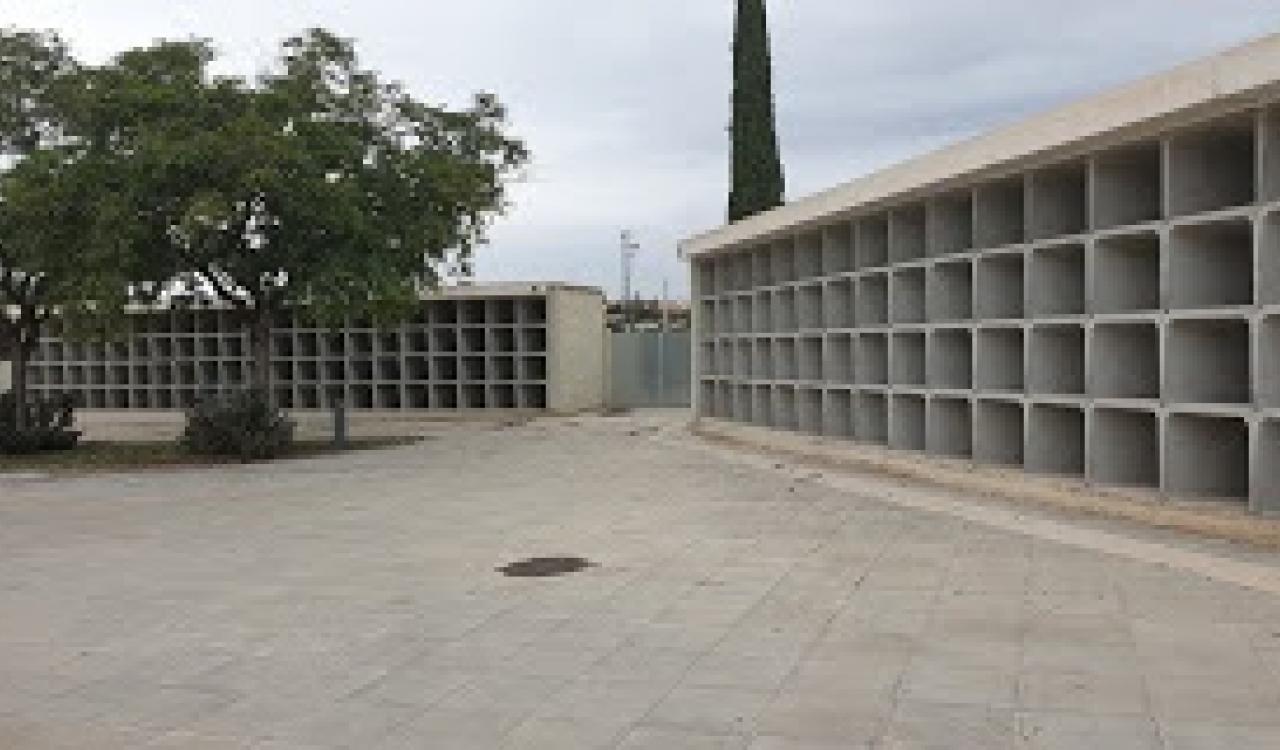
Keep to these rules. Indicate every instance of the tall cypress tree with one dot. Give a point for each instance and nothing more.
(756, 179)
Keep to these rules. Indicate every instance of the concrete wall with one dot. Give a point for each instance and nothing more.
(1112, 315)
(510, 346)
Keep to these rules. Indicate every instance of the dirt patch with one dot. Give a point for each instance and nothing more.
(545, 567)
(1205, 519)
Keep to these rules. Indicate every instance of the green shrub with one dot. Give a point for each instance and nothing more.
(49, 421)
(241, 425)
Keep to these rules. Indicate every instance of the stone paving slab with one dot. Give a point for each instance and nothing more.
(353, 602)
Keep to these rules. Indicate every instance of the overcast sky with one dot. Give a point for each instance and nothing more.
(624, 103)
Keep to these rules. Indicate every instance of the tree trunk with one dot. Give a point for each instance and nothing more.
(260, 346)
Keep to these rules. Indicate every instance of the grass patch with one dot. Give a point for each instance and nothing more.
(106, 456)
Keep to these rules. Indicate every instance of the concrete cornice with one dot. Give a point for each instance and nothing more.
(1235, 79)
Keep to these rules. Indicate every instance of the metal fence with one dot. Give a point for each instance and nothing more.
(649, 369)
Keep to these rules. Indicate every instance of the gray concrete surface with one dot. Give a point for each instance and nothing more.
(738, 602)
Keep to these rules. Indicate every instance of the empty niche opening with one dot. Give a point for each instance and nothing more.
(999, 360)
(1207, 456)
(443, 312)
(187, 348)
(707, 323)
(872, 359)
(417, 368)
(308, 397)
(950, 358)
(724, 353)
(308, 345)
(1212, 166)
(1124, 448)
(362, 396)
(999, 292)
(837, 301)
(997, 433)
(725, 320)
(1058, 201)
(1126, 185)
(502, 397)
(810, 303)
(1056, 283)
(908, 296)
(119, 350)
(785, 413)
(950, 292)
(444, 368)
(281, 371)
(762, 312)
(949, 223)
(474, 396)
(810, 405)
(811, 359)
(1124, 361)
(533, 368)
(1055, 440)
(761, 267)
(1127, 273)
(785, 366)
(388, 368)
(837, 414)
(502, 311)
(762, 405)
(473, 368)
(907, 423)
(837, 248)
(164, 399)
(762, 355)
(1269, 260)
(335, 370)
(186, 374)
(533, 339)
(141, 399)
(444, 396)
(906, 233)
(418, 397)
(233, 373)
(163, 375)
(504, 368)
(742, 403)
(361, 344)
(1211, 265)
(740, 270)
(742, 314)
(809, 255)
(782, 262)
(873, 300)
(388, 396)
(908, 358)
(335, 345)
(362, 369)
(742, 359)
(334, 395)
(533, 311)
(444, 339)
(785, 318)
(388, 342)
(872, 245)
(950, 427)
(872, 418)
(118, 398)
(1208, 361)
(838, 359)
(419, 341)
(473, 339)
(1056, 360)
(998, 213)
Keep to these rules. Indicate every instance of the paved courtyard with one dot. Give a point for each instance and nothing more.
(353, 602)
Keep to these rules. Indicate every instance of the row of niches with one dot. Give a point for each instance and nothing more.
(1205, 360)
(380, 396)
(1199, 266)
(305, 344)
(451, 312)
(236, 372)
(1199, 169)
(1205, 454)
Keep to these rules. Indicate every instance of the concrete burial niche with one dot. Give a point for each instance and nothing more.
(508, 346)
(1092, 293)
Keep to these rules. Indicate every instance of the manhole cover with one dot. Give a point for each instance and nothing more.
(542, 567)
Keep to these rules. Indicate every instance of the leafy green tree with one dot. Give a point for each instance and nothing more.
(757, 182)
(319, 188)
(54, 199)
